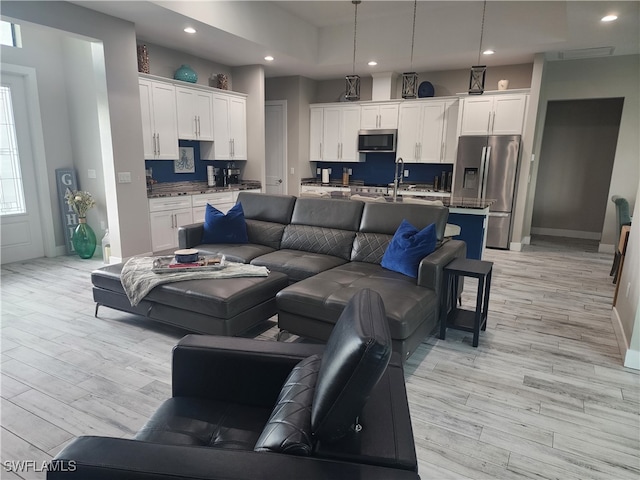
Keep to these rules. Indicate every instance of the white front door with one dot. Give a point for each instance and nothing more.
(275, 147)
(21, 231)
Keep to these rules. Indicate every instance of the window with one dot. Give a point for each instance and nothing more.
(11, 192)
(10, 34)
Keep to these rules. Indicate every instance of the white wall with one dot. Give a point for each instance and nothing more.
(128, 211)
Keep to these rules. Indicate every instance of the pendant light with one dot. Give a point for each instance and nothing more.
(478, 72)
(410, 79)
(353, 80)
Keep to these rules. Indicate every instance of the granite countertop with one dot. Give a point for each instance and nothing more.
(406, 187)
(175, 189)
(451, 202)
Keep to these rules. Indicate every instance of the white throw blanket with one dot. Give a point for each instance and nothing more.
(138, 279)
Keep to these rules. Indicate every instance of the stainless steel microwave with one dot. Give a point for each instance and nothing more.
(377, 140)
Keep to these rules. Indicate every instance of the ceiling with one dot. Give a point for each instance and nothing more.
(315, 38)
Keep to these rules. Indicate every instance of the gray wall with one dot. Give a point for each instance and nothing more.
(163, 62)
(298, 92)
(445, 83)
(576, 160)
(250, 79)
(128, 211)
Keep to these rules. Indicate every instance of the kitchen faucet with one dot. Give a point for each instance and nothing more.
(397, 178)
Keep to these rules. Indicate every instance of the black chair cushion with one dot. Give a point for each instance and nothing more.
(289, 427)
(356, 356)
(205, 423)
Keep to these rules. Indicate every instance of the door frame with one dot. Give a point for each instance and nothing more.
(39, 158)
(283, 104)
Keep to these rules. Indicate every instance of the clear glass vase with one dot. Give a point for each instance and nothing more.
(84, 239)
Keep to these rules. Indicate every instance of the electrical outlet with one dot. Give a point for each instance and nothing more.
(318, 171)
(292, 170)
(91, 173)
(350, 171)
(329, 171)
(406, 173)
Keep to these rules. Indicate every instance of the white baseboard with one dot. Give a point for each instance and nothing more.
(558, 232)
(516, 246)
(606, 248)
(630, 356)
(526, 240)
(632, 359)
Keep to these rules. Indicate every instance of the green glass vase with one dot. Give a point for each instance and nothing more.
(84, 239)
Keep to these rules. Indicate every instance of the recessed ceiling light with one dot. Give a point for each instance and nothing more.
(269, 58)
(609, 18)
(488, 52)
(372, 63)
(190, 30)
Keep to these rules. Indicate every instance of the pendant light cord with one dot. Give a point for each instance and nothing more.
(484, 9)
(355, 30)
(413, 34)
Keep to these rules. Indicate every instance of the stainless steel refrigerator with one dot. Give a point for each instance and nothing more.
(486, 168)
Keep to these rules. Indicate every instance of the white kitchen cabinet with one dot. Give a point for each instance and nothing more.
(334, 133)
(424, 129)
(195, 114)
(166, 215)
(316, 121)
(229, 127)
(159, 120)
(498, 114)
(381, 115)
(223, 201)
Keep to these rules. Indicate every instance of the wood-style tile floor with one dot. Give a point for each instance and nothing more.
(544, 396)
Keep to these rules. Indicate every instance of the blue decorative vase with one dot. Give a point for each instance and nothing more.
(84, 239)
(186, 74)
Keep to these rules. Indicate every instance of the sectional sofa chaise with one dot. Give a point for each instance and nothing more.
(331, 248)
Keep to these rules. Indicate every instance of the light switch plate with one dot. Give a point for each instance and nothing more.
(124, 177)
(406, 173)
(91, 173)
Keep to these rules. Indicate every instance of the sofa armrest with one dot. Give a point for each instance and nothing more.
(101, 458)
(190, 235)
(430, 271)
(239, 370)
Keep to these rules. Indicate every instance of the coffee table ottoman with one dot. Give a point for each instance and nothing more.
(224, 306)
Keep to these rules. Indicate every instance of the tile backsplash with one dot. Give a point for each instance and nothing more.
(379, 169)
(164, 170)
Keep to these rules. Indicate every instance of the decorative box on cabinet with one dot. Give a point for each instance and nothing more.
(381, 115)
(195, 114)
(159, 120)
(493, 114)
(166, 215)
(426, 131)
(334, 133)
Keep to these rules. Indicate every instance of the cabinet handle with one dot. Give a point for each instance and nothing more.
(158, 138)
(154, 145)
(489, 123)
(199, 126)
(230, 148)
(233, 147)
(493, 123)
(442, 150)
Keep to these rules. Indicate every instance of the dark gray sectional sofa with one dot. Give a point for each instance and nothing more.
(331, 248)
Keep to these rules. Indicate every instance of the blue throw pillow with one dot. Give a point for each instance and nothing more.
(221, 228)
(408, 246)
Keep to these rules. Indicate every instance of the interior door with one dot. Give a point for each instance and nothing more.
(21, 233)
(275, 146)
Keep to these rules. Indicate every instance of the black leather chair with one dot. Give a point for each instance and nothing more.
(248, 409)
